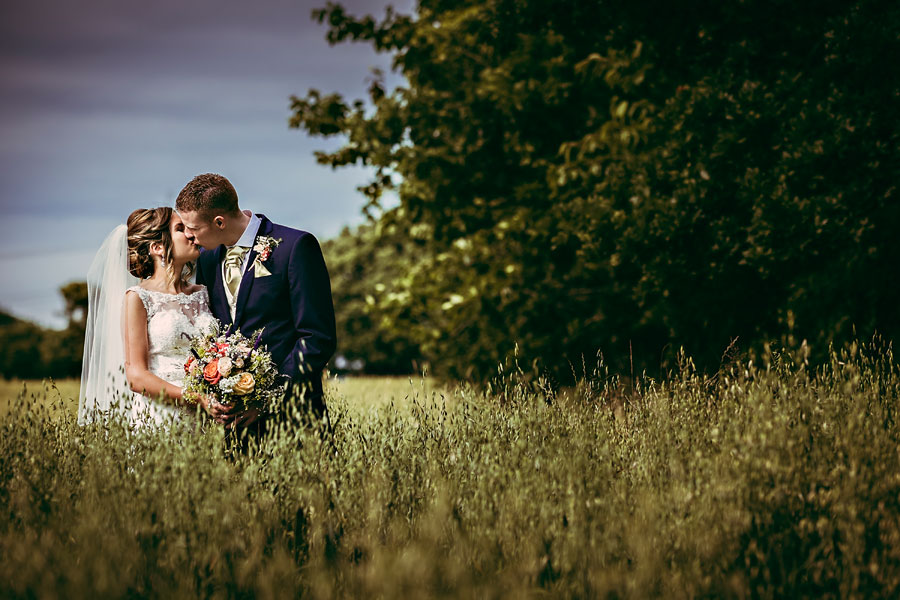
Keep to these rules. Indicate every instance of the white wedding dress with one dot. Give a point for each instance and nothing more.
(172, 320)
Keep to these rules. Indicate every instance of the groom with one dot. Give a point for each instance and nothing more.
(263, 275)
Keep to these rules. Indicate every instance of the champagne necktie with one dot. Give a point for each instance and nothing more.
(234, 259)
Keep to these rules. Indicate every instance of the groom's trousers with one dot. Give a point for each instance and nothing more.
(303, 406)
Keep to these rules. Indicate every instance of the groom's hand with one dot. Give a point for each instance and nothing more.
(243, 418)
(220, 413)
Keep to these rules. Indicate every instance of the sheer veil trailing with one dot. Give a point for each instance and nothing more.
(104, 388)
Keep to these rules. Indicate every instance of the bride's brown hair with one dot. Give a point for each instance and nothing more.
(148, 226)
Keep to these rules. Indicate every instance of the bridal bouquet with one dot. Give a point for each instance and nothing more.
(232, 368)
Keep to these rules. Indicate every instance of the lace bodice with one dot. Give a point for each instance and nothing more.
(172, 320)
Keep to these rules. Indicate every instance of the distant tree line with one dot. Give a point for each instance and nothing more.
(29, 351)
(624, 177)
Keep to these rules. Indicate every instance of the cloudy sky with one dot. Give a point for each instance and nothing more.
(111, 105)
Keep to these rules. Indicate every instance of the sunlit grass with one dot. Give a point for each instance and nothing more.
(363, 393)
(765, 480)
(358, 393)
(61, 395)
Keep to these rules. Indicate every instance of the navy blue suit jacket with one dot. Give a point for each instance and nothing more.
(293, 304)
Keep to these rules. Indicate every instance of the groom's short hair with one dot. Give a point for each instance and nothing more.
(208, 194)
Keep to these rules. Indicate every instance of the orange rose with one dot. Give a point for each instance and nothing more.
(245, 384)
(211, 372)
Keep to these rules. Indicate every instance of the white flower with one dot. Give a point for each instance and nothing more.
(225, 366)
(226, 384)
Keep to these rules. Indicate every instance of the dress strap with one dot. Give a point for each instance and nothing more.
(146, 298)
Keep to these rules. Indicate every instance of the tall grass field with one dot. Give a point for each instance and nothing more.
(769, 479)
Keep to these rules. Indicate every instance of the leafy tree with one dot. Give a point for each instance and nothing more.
(583, 175)
(358, 262)
(75, 295)
(64, 349)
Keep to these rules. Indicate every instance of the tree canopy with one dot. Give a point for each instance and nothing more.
(581, 176)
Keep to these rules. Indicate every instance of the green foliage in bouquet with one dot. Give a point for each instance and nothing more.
(233, 368)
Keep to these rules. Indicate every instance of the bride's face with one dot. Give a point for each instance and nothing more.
(182, 247)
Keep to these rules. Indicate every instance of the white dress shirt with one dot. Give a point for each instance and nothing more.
(247, 240)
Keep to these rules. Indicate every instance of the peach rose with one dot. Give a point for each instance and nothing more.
(211, 372)
(244, 384)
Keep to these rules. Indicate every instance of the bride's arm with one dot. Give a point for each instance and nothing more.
(137, 352)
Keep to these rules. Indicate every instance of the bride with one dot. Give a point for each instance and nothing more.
(142, 312)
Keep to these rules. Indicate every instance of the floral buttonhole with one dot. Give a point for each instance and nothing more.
(263, 247)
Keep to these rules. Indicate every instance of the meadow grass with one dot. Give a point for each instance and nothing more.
(764, 480)
(62, 394)
(359, 393)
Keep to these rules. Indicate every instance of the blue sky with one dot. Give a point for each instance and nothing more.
(107, 106)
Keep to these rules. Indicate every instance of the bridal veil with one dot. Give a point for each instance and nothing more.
(104, 388)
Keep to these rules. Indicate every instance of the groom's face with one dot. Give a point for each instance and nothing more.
(202, 229)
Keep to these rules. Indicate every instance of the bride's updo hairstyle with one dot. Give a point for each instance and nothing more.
(148, 226)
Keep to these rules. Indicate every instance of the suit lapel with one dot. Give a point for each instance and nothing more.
(217, 294)
(265, 228)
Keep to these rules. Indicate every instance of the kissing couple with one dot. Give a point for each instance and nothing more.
(143, 311)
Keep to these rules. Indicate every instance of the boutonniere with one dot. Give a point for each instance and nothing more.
(263, 247)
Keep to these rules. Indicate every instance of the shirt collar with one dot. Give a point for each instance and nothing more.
(248, 238)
